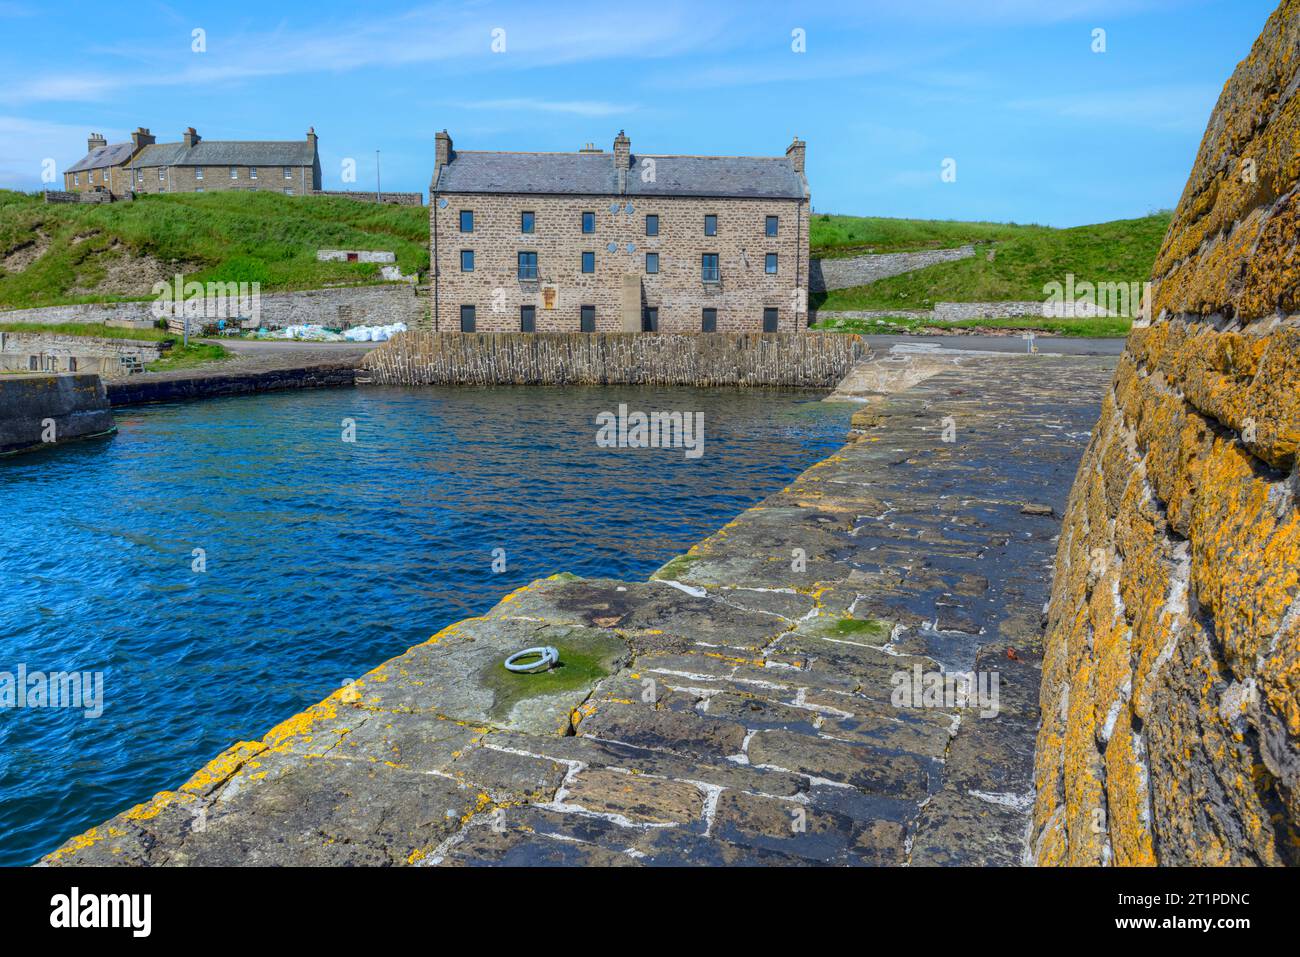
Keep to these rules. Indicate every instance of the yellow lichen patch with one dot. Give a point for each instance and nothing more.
(152, 808)
(219, 769)
(300, 725)
(1127, 800)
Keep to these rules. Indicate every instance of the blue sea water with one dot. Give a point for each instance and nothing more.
(323, 557)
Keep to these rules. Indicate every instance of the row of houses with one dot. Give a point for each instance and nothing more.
(583, 241)
(195, 165)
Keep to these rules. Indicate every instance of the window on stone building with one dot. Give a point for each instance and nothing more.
(770, 319)
(161, 175)
(709, 271)
(527, 265)
(467, 320)
(288, 191)
(710, 224)
(650, 319)
(467, 220)
(769, 266)
(588, 262)
(467, 260)
(527, 222)
(234, 173)
(652, 262)
(527, 318)
(587, 319)
(198, 172)
(709, 321)
(652, 225)
(198, 189)
(252, 172)
(76, 179)
(772, 223)
(288, 172)
(588, 222)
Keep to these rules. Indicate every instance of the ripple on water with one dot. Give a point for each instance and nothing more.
(324, 558)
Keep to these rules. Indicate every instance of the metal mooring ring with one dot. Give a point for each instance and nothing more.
(548, 659)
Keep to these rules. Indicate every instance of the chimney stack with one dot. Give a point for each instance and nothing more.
(622, 151)
(442, 152)
(190, 137)
(94, 141)
(795, 151)
(142, 138)
(311, 136)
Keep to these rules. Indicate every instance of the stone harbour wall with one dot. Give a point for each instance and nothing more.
(336, 306)
(75, 406)
(827, 274)
(713, 359)
(1171, 679)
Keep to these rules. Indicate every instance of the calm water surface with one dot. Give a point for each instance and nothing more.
(324, 558)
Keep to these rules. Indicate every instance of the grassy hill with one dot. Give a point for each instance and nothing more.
(1012, 265)
(831, 236)
(53, 253)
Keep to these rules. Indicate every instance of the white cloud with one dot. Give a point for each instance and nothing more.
(25, 144)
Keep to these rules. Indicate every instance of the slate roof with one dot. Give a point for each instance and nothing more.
(754, 177)
(227, 153)
(103, 156)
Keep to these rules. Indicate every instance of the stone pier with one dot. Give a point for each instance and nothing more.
(746, 705)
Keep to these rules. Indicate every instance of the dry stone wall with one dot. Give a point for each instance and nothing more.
(1171, 682)
(518, 358)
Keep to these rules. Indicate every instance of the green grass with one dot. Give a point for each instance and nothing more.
(263, 237)
(187, 357)
(1105, 327)
(831, 236)
(1119, 251)
(88, 329)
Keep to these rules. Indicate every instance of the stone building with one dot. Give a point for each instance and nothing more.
(620, 241)
(195, 165)
(106, 167)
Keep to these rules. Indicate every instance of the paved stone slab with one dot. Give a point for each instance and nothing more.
(781, 694)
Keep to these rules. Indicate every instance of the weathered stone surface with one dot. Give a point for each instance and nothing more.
(1169, 731)
(741, 708)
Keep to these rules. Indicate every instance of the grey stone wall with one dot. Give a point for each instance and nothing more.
(340, 306)
(860, 270)
(46, 352)
(76, 405)
(579, 358)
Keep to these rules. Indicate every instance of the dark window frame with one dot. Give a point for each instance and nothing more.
(774, 314)
(527, 225)
(585, 313)
(709, 319)
(470, 254)
(649, 318)
(771, 263)
(771, 225)
(527, 318)
(471, 313)
(461, 222)
(527, 271)
(652, 258)
(587, 256)
(652, 217)
(711, 220)
(588, 217)
(710, 272)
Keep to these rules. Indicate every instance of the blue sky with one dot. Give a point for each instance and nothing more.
(1042, 128)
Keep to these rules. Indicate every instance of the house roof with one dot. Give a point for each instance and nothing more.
(228, 153)
(756, 177)
(114, 154)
